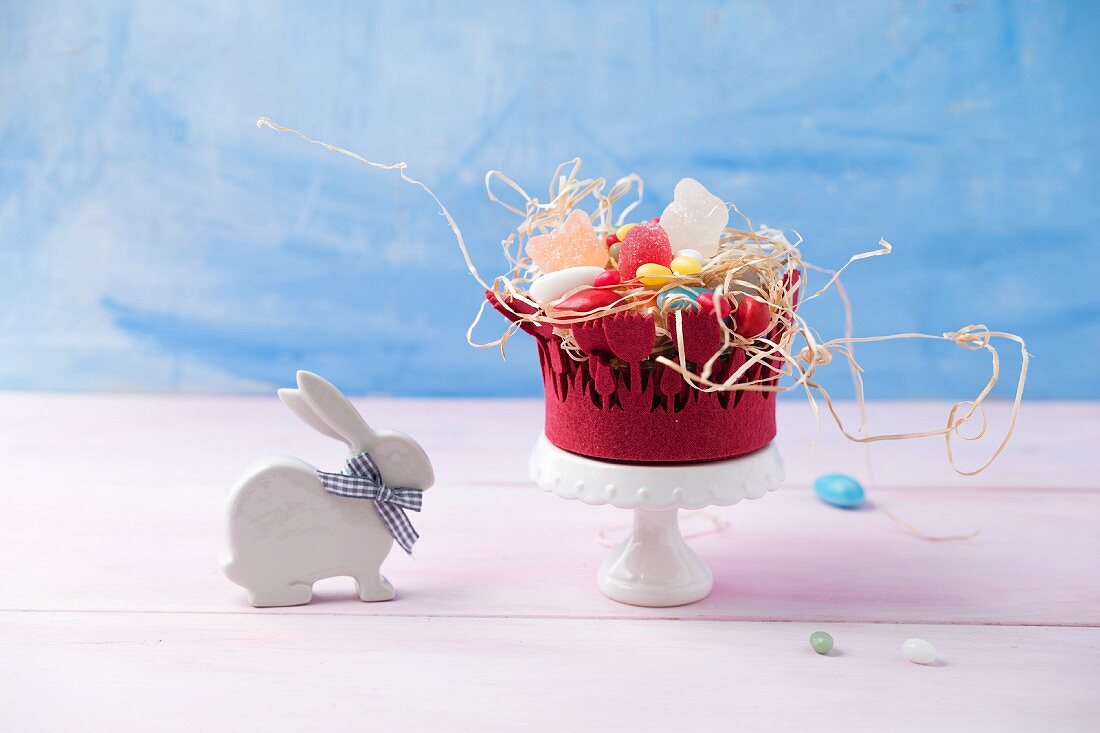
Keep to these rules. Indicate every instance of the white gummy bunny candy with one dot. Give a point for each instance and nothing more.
(695, 218)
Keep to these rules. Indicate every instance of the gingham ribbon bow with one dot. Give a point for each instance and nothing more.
(362, 480)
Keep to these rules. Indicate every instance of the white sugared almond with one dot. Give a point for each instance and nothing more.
(551, 286)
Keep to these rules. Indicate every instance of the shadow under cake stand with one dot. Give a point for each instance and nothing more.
(654, 566)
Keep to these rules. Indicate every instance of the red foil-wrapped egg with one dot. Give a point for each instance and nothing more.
(752, 317)
(706, 304)
(587, 300)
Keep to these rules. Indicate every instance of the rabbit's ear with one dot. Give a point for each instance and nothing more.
(293, 399)
(333, 408)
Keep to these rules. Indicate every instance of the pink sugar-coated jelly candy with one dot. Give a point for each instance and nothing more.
(706, 304)
(573, 244)
(752, 317)
(607, 277)
(587, 300)
(644, 243)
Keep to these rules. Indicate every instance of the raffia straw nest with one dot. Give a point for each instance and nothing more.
(749, 262)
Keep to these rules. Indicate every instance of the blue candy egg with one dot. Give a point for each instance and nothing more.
(839, 490)
(686, 298)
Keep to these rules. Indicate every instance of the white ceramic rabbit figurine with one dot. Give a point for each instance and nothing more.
(286, 532)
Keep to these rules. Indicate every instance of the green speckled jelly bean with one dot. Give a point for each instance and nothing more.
(821, 642)
(614, 250)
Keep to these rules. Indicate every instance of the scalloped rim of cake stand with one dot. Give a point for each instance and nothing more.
(660, 486)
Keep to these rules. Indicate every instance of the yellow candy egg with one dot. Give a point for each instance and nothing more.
(683, 265)
(653, 274)
(622, 231)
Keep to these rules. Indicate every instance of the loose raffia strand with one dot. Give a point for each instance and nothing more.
(400, 168)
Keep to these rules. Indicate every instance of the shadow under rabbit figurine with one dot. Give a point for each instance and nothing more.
(291, 525)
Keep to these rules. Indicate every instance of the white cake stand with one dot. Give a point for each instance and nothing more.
(654, 566)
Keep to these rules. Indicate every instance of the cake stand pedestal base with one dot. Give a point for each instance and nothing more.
(654, 566)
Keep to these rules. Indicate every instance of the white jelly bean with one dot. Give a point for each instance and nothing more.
(919, 651)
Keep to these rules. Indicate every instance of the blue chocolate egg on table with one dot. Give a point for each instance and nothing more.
(679, 298)
(839, 490)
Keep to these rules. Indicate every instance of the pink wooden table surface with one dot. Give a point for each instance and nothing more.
(114, 615)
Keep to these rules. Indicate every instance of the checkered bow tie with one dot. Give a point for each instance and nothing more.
(361, 479)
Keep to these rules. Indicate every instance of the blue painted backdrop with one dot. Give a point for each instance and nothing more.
(151, 237)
